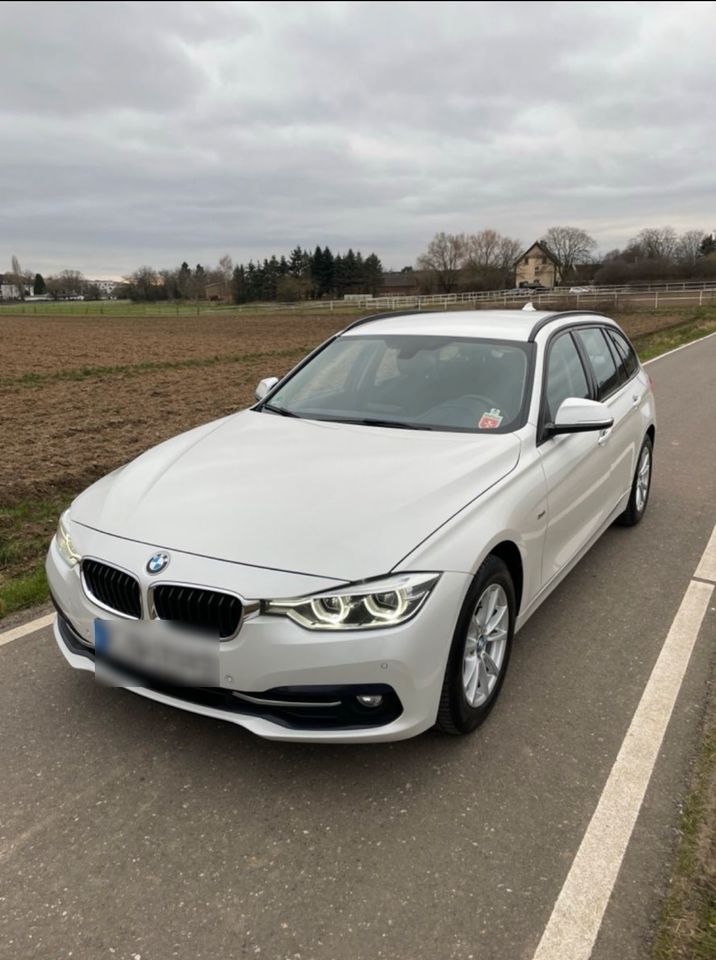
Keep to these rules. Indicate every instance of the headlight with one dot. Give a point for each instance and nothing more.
(64, 543)
(378, 603)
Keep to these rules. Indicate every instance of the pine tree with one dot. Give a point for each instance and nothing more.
(199, 282)
(39, 287)
(251, 282)
(373, 270)
(238, 285)
(184, 281)
(317, 271)
(708, 244)
(339, 275)
(296, 262)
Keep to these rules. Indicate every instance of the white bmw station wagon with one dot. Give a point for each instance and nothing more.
(350, 558)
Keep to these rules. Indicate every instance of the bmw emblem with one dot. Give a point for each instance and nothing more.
(157, 563)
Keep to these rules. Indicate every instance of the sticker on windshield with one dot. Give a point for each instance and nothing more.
(491, 420)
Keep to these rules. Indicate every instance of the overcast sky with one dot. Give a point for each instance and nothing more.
(138, 133)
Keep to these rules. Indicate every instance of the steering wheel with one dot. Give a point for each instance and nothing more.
(462, 406)
(489, 404)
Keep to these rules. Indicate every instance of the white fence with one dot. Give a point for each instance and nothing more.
(654, 295)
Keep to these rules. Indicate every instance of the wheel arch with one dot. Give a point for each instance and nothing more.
(509, 553)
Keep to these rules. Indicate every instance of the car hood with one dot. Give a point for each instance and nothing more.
(329, 499)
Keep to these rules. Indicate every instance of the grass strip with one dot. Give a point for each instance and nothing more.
(22, 592)
(650, 345)
(25, 532)
(687, 926)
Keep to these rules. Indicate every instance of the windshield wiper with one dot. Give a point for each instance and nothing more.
(280, 410)
(398, 424)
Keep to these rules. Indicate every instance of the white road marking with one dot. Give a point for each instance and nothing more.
(577, 915)
(676, 349)
(26, 628)
(706, 569)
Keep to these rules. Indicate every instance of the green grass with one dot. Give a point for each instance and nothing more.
(687, 927)
(651, 345)
(26, 529)
(22, 592)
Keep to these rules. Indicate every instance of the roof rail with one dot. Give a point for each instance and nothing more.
(379, 316)
(558, 315)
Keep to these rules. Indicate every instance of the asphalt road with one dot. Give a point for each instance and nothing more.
(129, 830)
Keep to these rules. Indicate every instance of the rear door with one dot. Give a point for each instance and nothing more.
(635, 394)
(622, 395)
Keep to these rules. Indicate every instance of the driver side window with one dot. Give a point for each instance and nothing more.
(565, 374)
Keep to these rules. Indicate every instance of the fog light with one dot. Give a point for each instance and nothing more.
(370, 700)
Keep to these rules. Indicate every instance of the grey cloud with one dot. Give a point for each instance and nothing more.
(154, 132)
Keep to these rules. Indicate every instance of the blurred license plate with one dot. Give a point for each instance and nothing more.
(157, 648)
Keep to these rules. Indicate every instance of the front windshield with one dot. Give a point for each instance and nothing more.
(414, 382)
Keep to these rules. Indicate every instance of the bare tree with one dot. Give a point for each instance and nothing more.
(143, 284)
(69, 283)
(569, 246)
(483, 247)
(688, 249)
(654, 243)
(18, 277)
(226, 267)
(491, 257)
(444, 258)
(509, 250)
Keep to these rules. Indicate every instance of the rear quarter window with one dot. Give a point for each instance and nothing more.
(624, 351)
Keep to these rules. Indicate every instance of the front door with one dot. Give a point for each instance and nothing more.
(577, 466)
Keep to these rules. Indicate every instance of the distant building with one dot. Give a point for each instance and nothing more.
(404, 283)
(537, 265)
(105, 287)
(9, 290)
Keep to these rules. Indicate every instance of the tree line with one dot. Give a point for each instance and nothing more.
(660, 253)
(301, 275)
(67, 283)
(486, 260)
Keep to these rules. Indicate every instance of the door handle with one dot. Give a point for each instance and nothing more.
(635, 400)
(604, 436)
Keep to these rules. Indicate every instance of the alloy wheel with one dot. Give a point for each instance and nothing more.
(485, 645)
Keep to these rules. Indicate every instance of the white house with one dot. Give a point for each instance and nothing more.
(8, 290)
(105, 287)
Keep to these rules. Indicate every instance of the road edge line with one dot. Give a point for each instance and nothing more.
(22, 631)
(578, 912)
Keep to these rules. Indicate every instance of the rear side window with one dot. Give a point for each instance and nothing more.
(624, 351)
(565, 374)
(601, 359)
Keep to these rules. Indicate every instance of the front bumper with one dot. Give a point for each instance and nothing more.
(406, 663)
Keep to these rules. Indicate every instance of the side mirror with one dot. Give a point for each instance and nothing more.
(578, 416)
(265, 386)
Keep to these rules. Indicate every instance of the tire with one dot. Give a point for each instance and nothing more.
(639, 497)
(464, 704)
